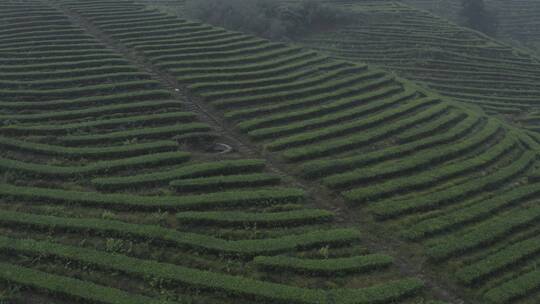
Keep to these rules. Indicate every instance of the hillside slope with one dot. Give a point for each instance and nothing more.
(108, 193)
(435, 188)
(414, 157)
(451, 60)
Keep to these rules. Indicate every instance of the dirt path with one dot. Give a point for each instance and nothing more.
(408, 262)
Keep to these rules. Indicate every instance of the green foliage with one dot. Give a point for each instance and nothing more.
(63, 129)
(88, 152)
(216, 183)
(262, 219)
(507, 257)
(325, 167)
(116, 108)
(225, 167)
(472, 213)
(233, 286)
(195, 241)
(224, 97)
(433, 200)
(483, 233)
(334, 266)
(335, 143)
(139, 133)
(306, 98)
(72, 288)
(428, 158)
(324, 115)
(116, 100)
(265, 196)
(94, 168)
(515, 288)
(303, 92)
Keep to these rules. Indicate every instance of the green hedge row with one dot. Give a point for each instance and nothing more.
(437, 126)
(60, 66)
(48, 38)
(238, 60)
(104, 152)
(233, 286)
(428, 158)
(66, 128)
(183, 52)
(205, 33)
(15, 61)
(475, 212)
(142, 35)
(99, 167)
(51, 42)
(535, 176)
(324, 115)
(206, 36)
(101, 89)
(515, 288)
(36, 76)
(233, 85)
(321, 168)
(160, 132)
(217, 183)
(341, 144)
(224, 167)
(502, 259)
(70, 288)
(166, 24)
(191, 30)
(202, 242)
(484, 233)
(143, 21)
(348, 127)
(75, 81)
(333, 266)
(95, 111)
(201, 55)
(276, 67)
(292, 89)
(282, 94)
(225, 199)
(388, 209)
(217, 43)
(42, 21)
(383, 94)
(300, 103)
(260, 219)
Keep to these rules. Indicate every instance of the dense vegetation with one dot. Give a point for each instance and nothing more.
(346, 183)
(109, 193)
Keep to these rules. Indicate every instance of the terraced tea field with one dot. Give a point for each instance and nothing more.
(347, 184)
(108, 194)
(451, 60)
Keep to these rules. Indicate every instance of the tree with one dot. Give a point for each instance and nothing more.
(477, 17)
(268, 18)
